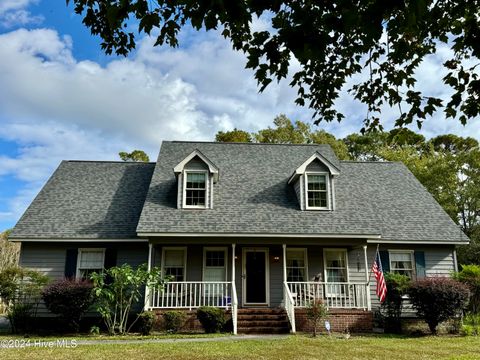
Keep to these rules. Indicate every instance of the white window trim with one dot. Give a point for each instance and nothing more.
(80, 250)
(327, 179)
(305, 260)
(184, 248)
(325, 262)
(218, 248)
(412, 257)
(184, 197)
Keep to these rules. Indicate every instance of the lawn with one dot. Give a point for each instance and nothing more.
(291, 347)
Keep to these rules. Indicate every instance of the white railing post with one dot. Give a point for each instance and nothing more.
(289, 306)
(148, 291)
(367, 279)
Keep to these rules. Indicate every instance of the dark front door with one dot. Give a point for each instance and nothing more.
(255, 277)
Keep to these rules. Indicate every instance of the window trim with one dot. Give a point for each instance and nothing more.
(400, 251)
(79, 252)
(184, 193)
(184, 249)
(214, 248)
(305, 260)
(327, 180)
(344, 250)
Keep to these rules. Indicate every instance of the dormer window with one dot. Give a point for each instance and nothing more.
(317, 191)
(196, 176)
(195, 189)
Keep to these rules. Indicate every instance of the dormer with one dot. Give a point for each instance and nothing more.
(196, 175)
(314, 184)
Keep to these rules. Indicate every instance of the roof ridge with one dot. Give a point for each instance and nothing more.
(370, 162)
(112, 161)
(239, 143)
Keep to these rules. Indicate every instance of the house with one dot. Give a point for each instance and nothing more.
(258, 229)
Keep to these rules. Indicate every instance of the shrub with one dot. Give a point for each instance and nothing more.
(20, 289)
(470, 276)
(146, 319)
(69, 299)
(212, 319)
(316, 311)
(397, 287)
(118, 289)
(438, 299)
(174, 320)
(471, 325)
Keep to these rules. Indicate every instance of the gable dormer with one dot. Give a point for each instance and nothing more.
(314, 183)
(196, 175)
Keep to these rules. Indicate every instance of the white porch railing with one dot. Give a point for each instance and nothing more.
(289, 303)
(192, 294)
(234, 307)
(334, 295)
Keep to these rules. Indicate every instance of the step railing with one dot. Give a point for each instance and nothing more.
(289, 304)
(334, 295)
(193, 294)
(234, 308)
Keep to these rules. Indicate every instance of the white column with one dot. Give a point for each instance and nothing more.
(367, 278)
(284, 246)
(233, 263)
(455, 262)
(149, 268)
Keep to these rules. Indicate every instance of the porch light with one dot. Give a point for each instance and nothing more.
(276, 258)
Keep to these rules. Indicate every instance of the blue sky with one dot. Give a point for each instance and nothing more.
(62, 98)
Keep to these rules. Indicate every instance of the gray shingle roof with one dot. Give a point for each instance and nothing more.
(88, 200)
(252, 196)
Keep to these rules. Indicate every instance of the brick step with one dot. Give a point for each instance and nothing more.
(261, 317)
(262, 323)
(267, 311)
(263, 330)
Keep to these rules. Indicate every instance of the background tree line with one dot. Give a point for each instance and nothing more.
(447, 165)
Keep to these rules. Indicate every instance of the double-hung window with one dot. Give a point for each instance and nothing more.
(336, 268)
(296, 265)
(174, 263)
(401, 262)
(195, 189)
(89, 261)
(215, 264)
(317, 191)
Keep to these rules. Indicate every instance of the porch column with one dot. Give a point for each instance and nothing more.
(149, 268)
(367, 279)
(233, 263)
(284, 246)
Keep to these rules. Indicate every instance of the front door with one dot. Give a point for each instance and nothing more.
(255, 277)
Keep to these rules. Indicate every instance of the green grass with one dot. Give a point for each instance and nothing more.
(160, 335)
(291, 347)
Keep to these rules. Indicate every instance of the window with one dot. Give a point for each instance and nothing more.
(401, 262)
(89, 261)
(195, 193)
(174, 260)
(336, 267)
(297, 264)
(317, 191)
(215, 264)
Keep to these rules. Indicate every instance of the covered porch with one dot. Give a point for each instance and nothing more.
(241, 275)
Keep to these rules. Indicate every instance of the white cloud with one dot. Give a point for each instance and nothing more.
(14, 13)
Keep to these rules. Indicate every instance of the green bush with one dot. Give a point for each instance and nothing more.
(146, 321)
(213, 319)
(397, 287)
(470, 276)
(471, 325)
(174, 320)
(316, 312)
(438, 299)
(69, 299)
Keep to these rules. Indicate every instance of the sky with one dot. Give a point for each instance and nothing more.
(62, 98)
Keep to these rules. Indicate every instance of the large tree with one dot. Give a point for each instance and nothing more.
(377, 44)
(135, 156)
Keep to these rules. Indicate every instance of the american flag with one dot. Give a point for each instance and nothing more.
(378, 272)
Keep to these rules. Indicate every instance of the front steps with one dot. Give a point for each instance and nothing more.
(262, 321)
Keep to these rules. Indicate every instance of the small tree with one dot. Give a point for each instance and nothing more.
(316, 312)
(397, 287)
(470, 276)
(20, 288)
(438, 299)
(118, 289)
(69, 299)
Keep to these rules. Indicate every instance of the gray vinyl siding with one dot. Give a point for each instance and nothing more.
(298, 191)
(49, 258)
(317, 165)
